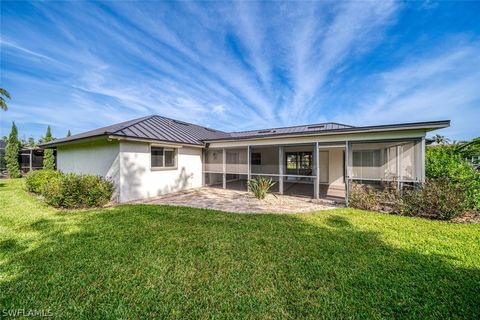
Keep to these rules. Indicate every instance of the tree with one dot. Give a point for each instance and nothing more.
(69, 134)
(3, 103)
(11, 153)
(439, 139)
(48, 157)
(31, 142)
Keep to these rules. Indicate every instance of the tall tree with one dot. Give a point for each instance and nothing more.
(31, 142)
(69, 133)
(3, 103)
(48, 156)
(11, 153)
(439, 139)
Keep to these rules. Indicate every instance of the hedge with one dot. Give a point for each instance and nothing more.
(70, 190)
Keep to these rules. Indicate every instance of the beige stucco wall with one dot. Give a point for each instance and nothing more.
(99, 157)
(139, 181)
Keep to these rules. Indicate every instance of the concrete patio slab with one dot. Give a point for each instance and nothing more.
(239, 201)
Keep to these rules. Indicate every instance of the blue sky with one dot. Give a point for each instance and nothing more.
(238, 66)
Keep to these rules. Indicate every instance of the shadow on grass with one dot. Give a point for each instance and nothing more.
(148, 261)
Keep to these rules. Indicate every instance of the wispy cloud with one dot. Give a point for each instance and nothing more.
(233, 66)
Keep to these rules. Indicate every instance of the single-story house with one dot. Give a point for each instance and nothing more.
(155, 155)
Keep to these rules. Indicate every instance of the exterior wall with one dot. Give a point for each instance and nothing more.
(335, 170)
(388, 135)
(139, 181)
(100, 157)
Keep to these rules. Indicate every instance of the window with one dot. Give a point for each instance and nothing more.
(256, 158)
(366, 164)
(163, 157)
(299, 163)
(299, 160)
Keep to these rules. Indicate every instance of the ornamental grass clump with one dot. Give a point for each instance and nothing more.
(260, 186)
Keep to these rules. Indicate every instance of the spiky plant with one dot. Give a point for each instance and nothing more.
(260, 186)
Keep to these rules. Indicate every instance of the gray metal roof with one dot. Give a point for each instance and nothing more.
(289, 130)
(330, 128)
(154, 128)
(157, 128)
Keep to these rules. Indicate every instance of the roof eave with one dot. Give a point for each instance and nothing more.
(427, 126)
(170, 142)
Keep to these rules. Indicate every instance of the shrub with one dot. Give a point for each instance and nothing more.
(78, 191)
(444, 162)
(363, 197)
(437, 199)
(386, 198)
(70, 190)
(260, 186)
(36, 180)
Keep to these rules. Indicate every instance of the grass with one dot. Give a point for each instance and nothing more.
(140, 261)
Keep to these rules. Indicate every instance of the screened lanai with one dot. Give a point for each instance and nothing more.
(318, 170)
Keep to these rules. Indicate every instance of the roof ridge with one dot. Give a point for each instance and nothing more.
(134, 122)
(189, 123)
(297, 126)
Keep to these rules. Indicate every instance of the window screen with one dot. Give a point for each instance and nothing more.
(169, 157)
(163, 157)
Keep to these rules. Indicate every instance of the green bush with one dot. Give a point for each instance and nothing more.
(70, 190)
(386, 198)
(363, 197)
(446, 163)
(79, 191)
(36, 180)
(437, 199)
(260, 186)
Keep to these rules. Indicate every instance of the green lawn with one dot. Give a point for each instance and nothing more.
(139, 261)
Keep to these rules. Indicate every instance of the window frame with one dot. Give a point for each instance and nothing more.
(163, 167)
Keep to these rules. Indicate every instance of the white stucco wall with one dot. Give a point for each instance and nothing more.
(336, 167)
(100, 157)
(139, 181)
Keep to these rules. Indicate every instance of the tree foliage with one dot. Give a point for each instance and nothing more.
(11, 153)
(3, 103)
(48, 156)
(447, 162)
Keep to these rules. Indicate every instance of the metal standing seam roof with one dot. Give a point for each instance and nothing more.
(158, 128)
(154, 128)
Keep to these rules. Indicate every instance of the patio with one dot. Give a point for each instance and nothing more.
(239, 201)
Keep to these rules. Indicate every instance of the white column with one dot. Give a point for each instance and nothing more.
(422, 161)
(280, 169)
(224, 168)
(203, 166)
(249, 162)
(347, 171)
(31, 160)
(399, 164)
(316, 180)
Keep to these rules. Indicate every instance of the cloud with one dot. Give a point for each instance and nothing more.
(434, 87)
(241, 65)
(219, 109)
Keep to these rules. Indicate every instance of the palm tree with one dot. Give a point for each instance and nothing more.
(3, 103)
(439, 139)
